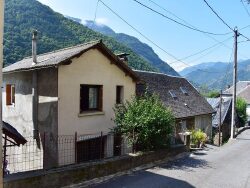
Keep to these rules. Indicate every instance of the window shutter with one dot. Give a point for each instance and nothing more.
(100, 98)
(84, 98)
(8, 94)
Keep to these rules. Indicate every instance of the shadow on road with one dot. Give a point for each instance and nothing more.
(145, 179)
(187, 163)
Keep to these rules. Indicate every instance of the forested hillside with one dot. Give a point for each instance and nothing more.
(55, 32)
(136, 45)
(216, 75)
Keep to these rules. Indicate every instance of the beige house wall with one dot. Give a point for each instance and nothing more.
(204, 122)
(91, 68)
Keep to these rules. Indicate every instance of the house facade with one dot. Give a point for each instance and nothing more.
(243, 91)
(190, 109)
(223, 115)
(66, 92)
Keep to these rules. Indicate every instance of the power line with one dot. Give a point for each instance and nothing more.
(177, 22)
(243, 4)
(209, 36)
(201, 51)
(218, 15)
(147, 38)
(96, 8)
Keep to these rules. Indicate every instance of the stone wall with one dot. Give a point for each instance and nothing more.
(78, 173)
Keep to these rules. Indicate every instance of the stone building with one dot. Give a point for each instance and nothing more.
(190, 109)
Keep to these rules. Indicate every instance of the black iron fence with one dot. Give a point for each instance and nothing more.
(54, 151)
(51, 151)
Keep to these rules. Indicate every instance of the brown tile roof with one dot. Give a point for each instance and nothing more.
(64, 56)
(183, 105)
(245, 94)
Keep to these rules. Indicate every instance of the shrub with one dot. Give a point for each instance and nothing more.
(241, 107)
(145, 122)
(198, 137)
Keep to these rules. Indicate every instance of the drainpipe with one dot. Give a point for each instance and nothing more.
(1, 65)
(34, 88)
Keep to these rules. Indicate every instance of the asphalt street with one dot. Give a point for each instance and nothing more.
(224, 167)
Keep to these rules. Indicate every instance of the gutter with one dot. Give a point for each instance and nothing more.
(34, 88)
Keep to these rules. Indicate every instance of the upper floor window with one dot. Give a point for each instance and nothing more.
(173, 95)
(183, 90)
(119, 94)
(90, 97)
(10, 94)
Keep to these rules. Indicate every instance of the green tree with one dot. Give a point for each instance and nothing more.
(145, 122)
(241, 107)
(212, 94)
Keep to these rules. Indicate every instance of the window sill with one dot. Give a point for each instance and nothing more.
(89, 113)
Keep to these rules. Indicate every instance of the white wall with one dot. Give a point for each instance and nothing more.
(204, 122)
(19, 115)
(91, 68)
(248, 110)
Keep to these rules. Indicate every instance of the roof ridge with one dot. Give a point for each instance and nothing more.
(67, 48)
(151, 72)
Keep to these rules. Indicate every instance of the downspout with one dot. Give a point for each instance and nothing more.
(1, 81)
(34, 88)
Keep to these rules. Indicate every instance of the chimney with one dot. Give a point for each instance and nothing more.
(228, 86)
(34, 47)
(123, 57)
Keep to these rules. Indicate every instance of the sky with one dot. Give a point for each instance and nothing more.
(172, 38)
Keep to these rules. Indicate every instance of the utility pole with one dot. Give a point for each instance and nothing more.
(1, 82)
(236, 34)
(220, 118)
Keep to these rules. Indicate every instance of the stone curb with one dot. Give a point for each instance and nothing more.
(143, 167)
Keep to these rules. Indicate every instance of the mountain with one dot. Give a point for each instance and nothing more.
(136, 45)
(73, 19)
(54, 32)
(216, 75)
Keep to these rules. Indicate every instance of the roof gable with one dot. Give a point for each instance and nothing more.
(182, 104)
(64, 56)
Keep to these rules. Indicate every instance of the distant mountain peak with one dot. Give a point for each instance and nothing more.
(99, 27)
(143, 49)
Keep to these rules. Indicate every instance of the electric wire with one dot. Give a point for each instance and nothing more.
(177, 22)
(244, 6)
(145, 37)
(218, 15)
(220, 43)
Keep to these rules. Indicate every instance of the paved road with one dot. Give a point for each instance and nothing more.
(225, 167)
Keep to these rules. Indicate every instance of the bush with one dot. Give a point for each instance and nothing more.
(145, 122)
(198, 137)
(241, 110)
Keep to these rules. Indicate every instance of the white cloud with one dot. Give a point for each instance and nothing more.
(102, 21)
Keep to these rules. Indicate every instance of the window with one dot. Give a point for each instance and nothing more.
(119, 94)
(140, 89)
(183, 90)
(10, 94)
(171, 92)
(90, 98)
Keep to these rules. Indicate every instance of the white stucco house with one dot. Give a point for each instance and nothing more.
(242, 91)
(64, 92)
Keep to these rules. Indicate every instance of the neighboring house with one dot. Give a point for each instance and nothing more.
(243, 91)
(190, 109)
(225, 118)
(64, 92)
